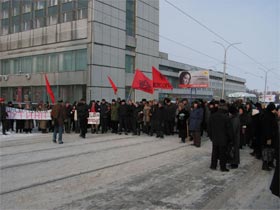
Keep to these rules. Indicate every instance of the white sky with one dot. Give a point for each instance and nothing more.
(254, 23)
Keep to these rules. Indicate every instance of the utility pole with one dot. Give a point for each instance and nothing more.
(225, 62)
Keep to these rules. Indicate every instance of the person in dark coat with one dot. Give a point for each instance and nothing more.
(220, 133)
(114, 116)
(83, 114)
(58, 115)
(243, 117)
(182, 118)
(234, 146)
(68, 108)
(159, 120)
(257, 115)
(122, 111)
(104, 112)
(170, 116)
(154, 106)
(274, 187)
(270, 136)
(19, 123)
(137, 118)
(3, 116)
(195, 120)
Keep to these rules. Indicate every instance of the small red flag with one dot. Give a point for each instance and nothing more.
(49, 90)
(142, 82)
(113, 85)
(160, 81)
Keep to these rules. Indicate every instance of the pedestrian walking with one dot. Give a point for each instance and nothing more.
(58, 115)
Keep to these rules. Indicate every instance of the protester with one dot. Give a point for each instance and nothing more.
(123, 110)
(274, 187)
(28, 123)
(159, 117)
(83, 114)
(58, 115)
(19, 122)
(220, 133)
(270, 136)
(114, 116)
(182, 118)
(233, 151)
(3, 116)
(42, 123)
(195, 120)
(67, 122)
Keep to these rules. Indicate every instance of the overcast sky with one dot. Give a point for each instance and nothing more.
(254, 23)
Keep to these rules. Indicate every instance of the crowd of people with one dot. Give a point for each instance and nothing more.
(230, 126)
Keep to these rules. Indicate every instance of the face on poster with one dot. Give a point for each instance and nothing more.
(194, 79)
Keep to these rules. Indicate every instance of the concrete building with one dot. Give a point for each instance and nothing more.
(77, 44)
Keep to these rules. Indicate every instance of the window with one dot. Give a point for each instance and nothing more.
(26, 21)
(26, 64)
(67, 12)
(53, 65)
(52, 2)
(5, 66)
(41, 65)
(53, 15)
(5, 26)
(26, 6)
(5, 9)
(129, 64)
(15, 7)
(130, 17)
(81, 60)
(82, 9)
(40, 4)
(68, 61)
(15, 24)
(15, 66)
(39, 18)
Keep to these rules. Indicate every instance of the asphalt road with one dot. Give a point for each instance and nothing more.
(108, 171)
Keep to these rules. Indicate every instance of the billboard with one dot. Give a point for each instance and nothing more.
(268, 98)
(194, 79)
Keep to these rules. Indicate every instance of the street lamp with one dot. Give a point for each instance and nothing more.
(265, 82)
(225, 60)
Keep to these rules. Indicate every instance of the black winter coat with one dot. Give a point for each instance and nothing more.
(182, 117)
(82, 111)
(220, 130)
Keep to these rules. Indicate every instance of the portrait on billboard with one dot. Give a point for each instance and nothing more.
(194, 79)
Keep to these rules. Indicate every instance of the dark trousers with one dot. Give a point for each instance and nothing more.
(196, 138)
(114, 126)
(104, 125)
(4, 129)
(218, 152)
(169, 127)
(83, 127)
(123, 124)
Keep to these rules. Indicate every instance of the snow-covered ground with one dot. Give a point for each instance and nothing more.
(125, 172)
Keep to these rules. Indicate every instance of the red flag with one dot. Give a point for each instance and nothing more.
(113, 85)
(49, 90)
(160, 81)
(142, 82)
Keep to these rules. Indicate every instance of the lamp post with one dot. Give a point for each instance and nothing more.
(265, 82)
(225, 60)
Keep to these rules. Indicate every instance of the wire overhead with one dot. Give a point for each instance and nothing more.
(215, 33)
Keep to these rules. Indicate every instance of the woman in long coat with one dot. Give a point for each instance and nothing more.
(234, 146)
(182, 118)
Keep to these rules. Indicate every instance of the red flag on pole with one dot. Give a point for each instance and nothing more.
(160, 81)
(142, 82)
(49, 90)
(113, 85)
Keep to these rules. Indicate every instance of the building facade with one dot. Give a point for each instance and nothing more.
(77, 44)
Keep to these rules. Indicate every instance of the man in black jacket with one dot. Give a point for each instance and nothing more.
(3, 116)
(220, 133)
(122, 117)
(83, 113)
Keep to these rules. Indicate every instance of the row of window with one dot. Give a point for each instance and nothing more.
(54, 62)
(27, 14)
(38, 94)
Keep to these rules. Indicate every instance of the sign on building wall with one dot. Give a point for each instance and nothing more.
(194, 79)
